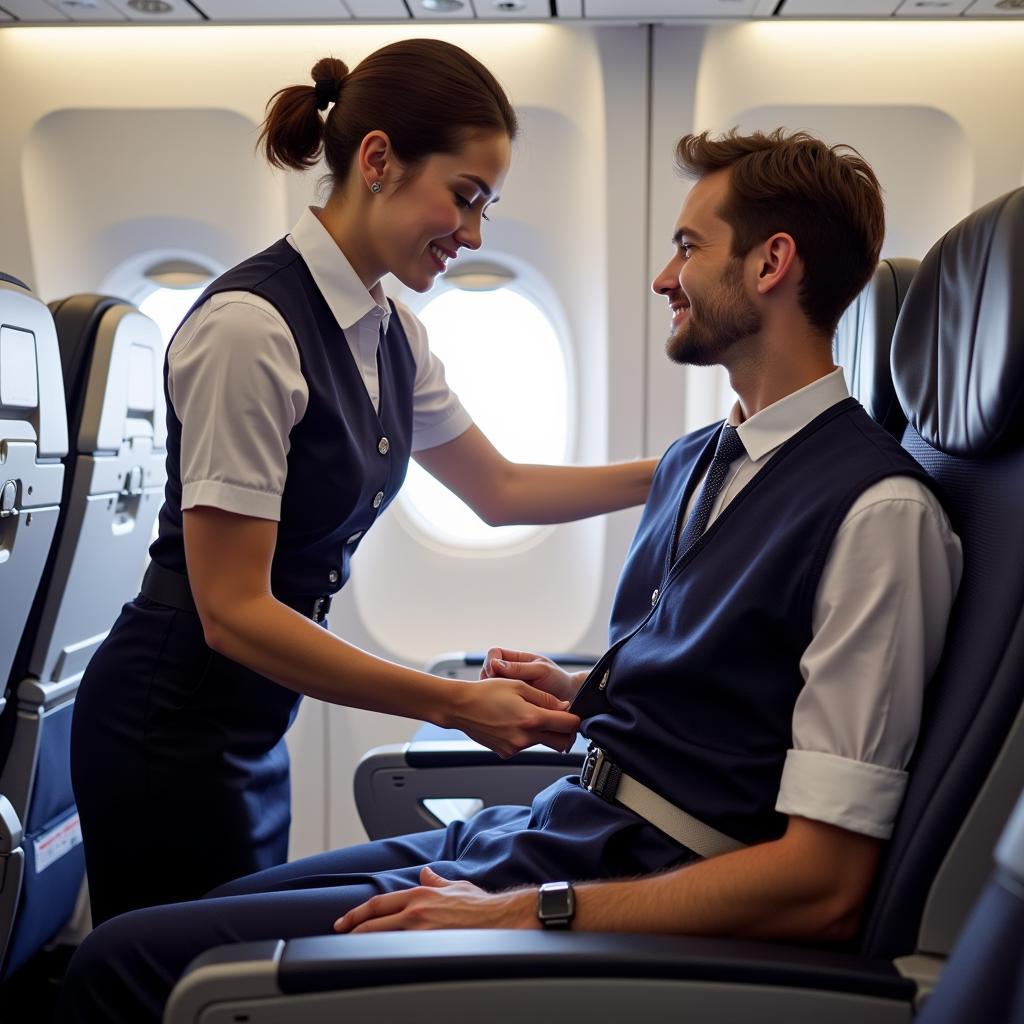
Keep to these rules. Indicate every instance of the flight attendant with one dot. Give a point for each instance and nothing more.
(296, 393)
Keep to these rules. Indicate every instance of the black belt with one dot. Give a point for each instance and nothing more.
(165, 586)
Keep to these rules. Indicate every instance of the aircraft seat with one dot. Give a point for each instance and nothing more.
(863, 342)
(958, 362)
(33, 441)
(441, 774)
(111, 356)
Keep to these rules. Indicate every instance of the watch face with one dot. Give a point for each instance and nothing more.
(556, 904)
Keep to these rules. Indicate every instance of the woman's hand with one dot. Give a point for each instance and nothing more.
(534, 669)
(439, 903)
(507, 716)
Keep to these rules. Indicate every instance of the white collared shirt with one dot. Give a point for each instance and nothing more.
(236, 385)
(878, 622)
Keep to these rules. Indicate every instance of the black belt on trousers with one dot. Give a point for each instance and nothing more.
(165, 586)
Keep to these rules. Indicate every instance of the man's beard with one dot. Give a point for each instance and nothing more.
(724, 317)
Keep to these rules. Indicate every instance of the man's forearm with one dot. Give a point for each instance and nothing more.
(810, 884)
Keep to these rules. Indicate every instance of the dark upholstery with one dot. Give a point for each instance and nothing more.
(958, 362)
(863, 341)
(967, 390)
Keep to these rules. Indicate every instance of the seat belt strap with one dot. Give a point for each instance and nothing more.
(602, 777)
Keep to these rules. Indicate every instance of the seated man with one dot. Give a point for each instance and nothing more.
(781, 609)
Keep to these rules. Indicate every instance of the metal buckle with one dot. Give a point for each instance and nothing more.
(321, 606)
(600, 775)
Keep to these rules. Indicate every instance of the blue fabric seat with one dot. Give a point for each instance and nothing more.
(109, 371)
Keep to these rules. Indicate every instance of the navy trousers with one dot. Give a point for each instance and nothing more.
(126, 969)
(178, 763)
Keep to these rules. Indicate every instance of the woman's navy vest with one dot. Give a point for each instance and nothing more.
(343, 453)
(702, 678)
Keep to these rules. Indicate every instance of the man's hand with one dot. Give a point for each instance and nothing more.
(439, 903)
(534, 669)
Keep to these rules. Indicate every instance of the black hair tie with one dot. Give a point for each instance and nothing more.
(327, 90)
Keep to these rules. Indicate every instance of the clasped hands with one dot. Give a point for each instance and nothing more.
(522, 699)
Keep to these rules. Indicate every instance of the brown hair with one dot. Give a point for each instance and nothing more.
(826, 197)
(428, 96)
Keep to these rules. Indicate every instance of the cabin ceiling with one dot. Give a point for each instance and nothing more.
(153, 12)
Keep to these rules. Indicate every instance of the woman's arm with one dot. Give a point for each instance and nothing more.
(229, 558)
(502, 492)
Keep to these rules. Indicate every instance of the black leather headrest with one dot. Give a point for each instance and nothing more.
(958, 354)
(863, 342)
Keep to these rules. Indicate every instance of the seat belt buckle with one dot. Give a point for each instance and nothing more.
(600, 774)
(321, 606)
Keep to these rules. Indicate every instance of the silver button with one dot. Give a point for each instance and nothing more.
(354, 537)
(332, 576)
(383, 445)
(604, 679)
(377, 499)
(654, 597)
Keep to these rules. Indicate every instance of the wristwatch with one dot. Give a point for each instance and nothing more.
(556, 904)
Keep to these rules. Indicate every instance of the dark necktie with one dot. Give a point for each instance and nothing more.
(729, 448)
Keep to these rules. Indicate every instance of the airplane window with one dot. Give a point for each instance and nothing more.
(504, 359)
(168, 306)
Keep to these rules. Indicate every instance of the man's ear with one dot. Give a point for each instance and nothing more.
(777, 261)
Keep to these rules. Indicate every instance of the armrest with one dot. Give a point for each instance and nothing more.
(575, 971)
(393, 783)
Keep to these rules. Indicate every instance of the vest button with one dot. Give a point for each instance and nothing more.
(332, 576)
(654, 597)
(377, 499)
(354, 537)
(383, 445)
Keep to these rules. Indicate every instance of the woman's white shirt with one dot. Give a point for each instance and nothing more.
(235, 382)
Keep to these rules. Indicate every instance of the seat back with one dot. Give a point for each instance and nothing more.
(33, 440)
(863, 342)
(112, 366)
(984, 979)
(958, 368)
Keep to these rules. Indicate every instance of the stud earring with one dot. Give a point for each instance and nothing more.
(375, 187)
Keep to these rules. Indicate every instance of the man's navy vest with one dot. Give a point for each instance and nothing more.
(342, 455)
(702, 678)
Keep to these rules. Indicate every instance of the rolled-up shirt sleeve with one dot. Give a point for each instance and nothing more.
(878, 624)
(438, 415)
(236, 385)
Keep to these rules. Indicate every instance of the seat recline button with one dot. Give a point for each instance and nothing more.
(8, 494)
(377, 499)
(383, 445)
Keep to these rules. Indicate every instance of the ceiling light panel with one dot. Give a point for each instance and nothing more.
(932, 8)
(504, 10)
(458, 10)
(839, 8)
(274, 10)
(379, 10)
(994, 9)
(87, 10)
(33, 10)
(161, 11)
(640, 9)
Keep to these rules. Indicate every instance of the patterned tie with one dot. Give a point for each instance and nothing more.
(729, 448)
